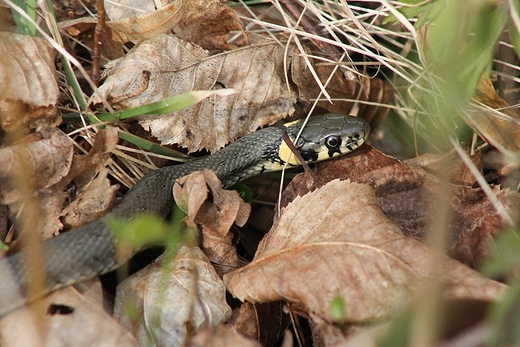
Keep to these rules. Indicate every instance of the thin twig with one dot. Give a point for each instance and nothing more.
(96, 47)
(294, 150)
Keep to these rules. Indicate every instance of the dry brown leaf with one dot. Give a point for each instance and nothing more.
(50, 164)
(265, 323)
(70, 319)
(256, 72)
(497, 131)
(70, 329)
(95, 193)
(93, 202)
(98, 156)
(201, 196)
(49, 159)
(82, 29)
(406, 194)
(147, 25)
(29, 91)
(83, 170)
(220, 336)
(347, 248)
(448, 165)
(218, 215)
(208, 23)
(51, 204)
(170, 297)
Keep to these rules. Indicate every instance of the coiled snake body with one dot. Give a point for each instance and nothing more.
(90, 250)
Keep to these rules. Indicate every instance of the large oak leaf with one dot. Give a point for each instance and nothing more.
(336, 242)
(256, 72)
(406, 194)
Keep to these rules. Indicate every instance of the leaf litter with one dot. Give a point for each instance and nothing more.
(347, 248)
(50, 157)
(206, 23)
(49, 166)
(260, 322)
(406, 194)
(172, 299)
(214, 210)
(178, 66)
(400, 263)
(29, 91)
(86, 321)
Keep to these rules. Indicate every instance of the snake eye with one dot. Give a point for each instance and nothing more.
(332, 142)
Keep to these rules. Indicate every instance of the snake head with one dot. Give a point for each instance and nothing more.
(331, 135)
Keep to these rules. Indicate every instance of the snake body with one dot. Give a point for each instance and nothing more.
(90, 250)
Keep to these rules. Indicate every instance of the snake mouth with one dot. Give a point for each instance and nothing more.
(356, 140)
(353, 143)
(362, 135)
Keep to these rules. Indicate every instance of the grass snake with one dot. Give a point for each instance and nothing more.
(90, 250)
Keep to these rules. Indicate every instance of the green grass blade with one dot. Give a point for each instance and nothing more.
(168, 105)
(24, 26)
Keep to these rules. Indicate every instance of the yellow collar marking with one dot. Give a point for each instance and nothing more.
(287, 155)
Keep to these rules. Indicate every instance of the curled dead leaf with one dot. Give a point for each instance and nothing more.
(95, 199)
(49, 166)
(29, 91)
(98, 156)
(147, 25)
(95, 192)
(225, 208)
(347, 248)
(169, 297)
(41, 164)
(201, 196)
(209, 23)
(499, 126)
